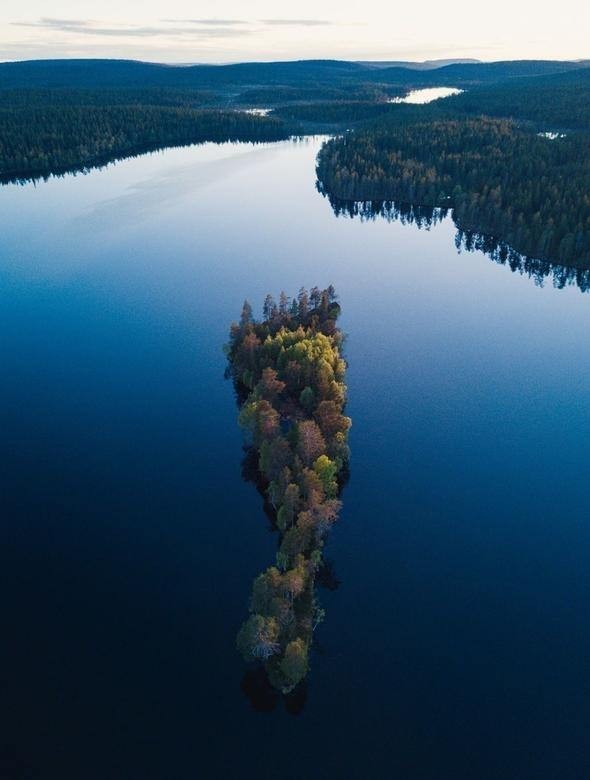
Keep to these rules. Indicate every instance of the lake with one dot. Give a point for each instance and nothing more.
(456, 639)
(426, 95)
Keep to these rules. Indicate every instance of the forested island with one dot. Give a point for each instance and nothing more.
(289, 374)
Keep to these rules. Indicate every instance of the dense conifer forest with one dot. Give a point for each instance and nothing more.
(12, 99)
(500, 179)
(279, 95)
(559, 102)
(334, 112)
(289, 375)
(50, 139)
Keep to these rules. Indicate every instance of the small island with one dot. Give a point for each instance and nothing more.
(289, 375)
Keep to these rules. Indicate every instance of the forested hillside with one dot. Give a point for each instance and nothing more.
(334, 112)
(561, 101)
(13, 99)
(100, 74)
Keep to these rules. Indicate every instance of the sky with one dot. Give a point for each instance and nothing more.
(245, 30)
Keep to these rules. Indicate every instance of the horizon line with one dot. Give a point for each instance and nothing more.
(457, 60)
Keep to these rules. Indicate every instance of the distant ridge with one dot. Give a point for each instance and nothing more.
(103, 74)
(426, 65)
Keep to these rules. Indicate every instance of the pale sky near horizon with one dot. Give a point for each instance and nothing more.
(231, 31)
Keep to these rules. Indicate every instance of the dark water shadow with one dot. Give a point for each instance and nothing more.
(264, 698)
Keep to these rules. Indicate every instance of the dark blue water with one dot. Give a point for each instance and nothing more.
(458, 642)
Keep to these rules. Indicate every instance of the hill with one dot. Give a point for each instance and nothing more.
(101, 74)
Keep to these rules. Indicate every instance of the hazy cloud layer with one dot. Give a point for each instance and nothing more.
(268, 22)
(297, 22)
(89, 27)
(196, 28)
(206, 22)
(234, 31)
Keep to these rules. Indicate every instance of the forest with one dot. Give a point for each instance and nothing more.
(339, 74)
(65, 115)
(333, 112)
(560, 102)
(51, 138)
(281, 95)
(499, 178)
(17, 99)
(480, 154)
(289, 375)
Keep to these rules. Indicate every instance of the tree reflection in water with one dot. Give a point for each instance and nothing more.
(424, 217)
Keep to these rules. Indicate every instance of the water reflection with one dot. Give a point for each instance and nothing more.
(425, 217)
(538, 270)
(108, 161)
(264, 698)
(100, 163)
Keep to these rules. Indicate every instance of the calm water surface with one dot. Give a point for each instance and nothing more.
(426, 95)
(458, 642)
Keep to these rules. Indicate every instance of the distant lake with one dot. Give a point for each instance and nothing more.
(257, 111)
(456, 639)
(427, 95)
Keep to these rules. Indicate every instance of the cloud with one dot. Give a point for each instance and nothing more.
(297, 22)
(207, 22)
(54, 24)
(89, 27)
(195, 29)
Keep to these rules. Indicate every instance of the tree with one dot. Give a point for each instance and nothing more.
(247, 317)
(267, 421)
(327, 471)
(303, 304)
(293, 582)
(269, 309)
(307, 399)
(294, 663)
(264, 590)
(315, 297)
(275, 455)
(288, 509)
(258, 638)
(325, 515)
(330, 419)
(270, 386)
(310, 442)
(283, 304)
(297, 539)
(312, 488)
